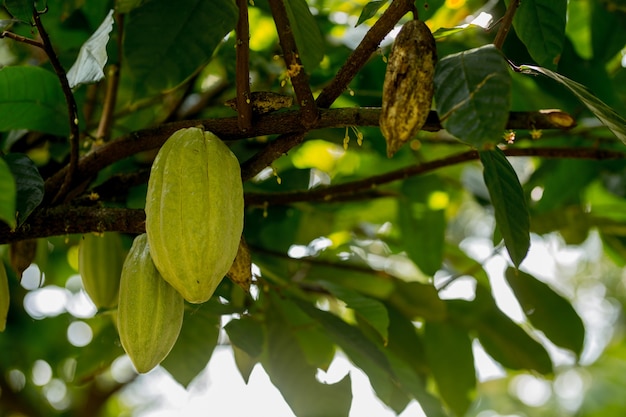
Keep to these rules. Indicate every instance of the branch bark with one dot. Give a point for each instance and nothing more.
(66, 219)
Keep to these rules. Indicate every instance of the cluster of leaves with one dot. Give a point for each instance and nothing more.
(352, 248)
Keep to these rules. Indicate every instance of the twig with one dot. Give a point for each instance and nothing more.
(364, 51)
(22, 39)
(269, 154)
(71, 107)
(295, 70)
(287, 122)
(244, 106)
(505, 24)
(328, 194)
(110, 99)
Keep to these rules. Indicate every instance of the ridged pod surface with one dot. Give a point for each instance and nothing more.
(150, 311)
(100, 260)
(194, 212)
(409, 84)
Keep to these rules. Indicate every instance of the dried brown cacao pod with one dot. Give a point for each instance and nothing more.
(409, 84)
(240, 271)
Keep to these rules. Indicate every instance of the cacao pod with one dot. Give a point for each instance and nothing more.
(150, 311)
(100, 260)
(4, 297)
(409, 85)
(240, 271)
(194, 212)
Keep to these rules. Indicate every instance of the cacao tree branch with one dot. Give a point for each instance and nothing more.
(285, 122)
(296, 72)
(244, 106)
(72, 109)
(66, 219)
(363, 52)
(506, 23)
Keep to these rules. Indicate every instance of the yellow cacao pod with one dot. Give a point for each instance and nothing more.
(4, 297)
(409, 85)
(100, 260)
(150, 311)
(194, 212)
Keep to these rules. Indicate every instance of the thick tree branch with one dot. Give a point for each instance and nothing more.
(67, 219)
(287, 122)
(295, 70)
(72, 109)
(364, 51)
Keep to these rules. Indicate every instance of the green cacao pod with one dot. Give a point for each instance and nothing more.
(194, 212)
(100, 260)
(409, 85)
(4, 297)
(150, 311)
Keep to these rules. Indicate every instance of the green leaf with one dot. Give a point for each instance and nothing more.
(473, 94)
(371, 311)
(195, 344)
(369, 10)
(548, 311)
(608, 31)
(92, 56)
(540, 25)
(405, 343)
(30, 185)
(247, 334)
(99, 354)
(449, 354)
(507, 198)
(417, 300)
(291, 373)
(245, 363)
(608, 116)
(188, 33)
(20, 9)
(8, 195)
(306, 32)
(31, 98)
(351, 340)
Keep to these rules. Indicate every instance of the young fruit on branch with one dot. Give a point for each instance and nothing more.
(409, 84)
(150, 311)
(194, 212)
(100, 260)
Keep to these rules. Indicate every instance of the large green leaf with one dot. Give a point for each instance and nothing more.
(98, 355)
(30, 185)
(417, 300)
(449, 353)
(307, 34)
(20, 9)
(548, 311)
(188, 31)
(247, 334)
(369, 10)
(31, 98)
(507, 198)
(540, 24)
(371, 311)
(195, 344)
(608, 116)
(291, 373)
(8, 194)
(608, 31)
(473, 94)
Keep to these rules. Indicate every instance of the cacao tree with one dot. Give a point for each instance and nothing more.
(502, 155)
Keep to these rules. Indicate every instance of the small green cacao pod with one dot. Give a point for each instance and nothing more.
(409, 85)
(194, 212)
(4, 297)
(100, 260)
(150, 311)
